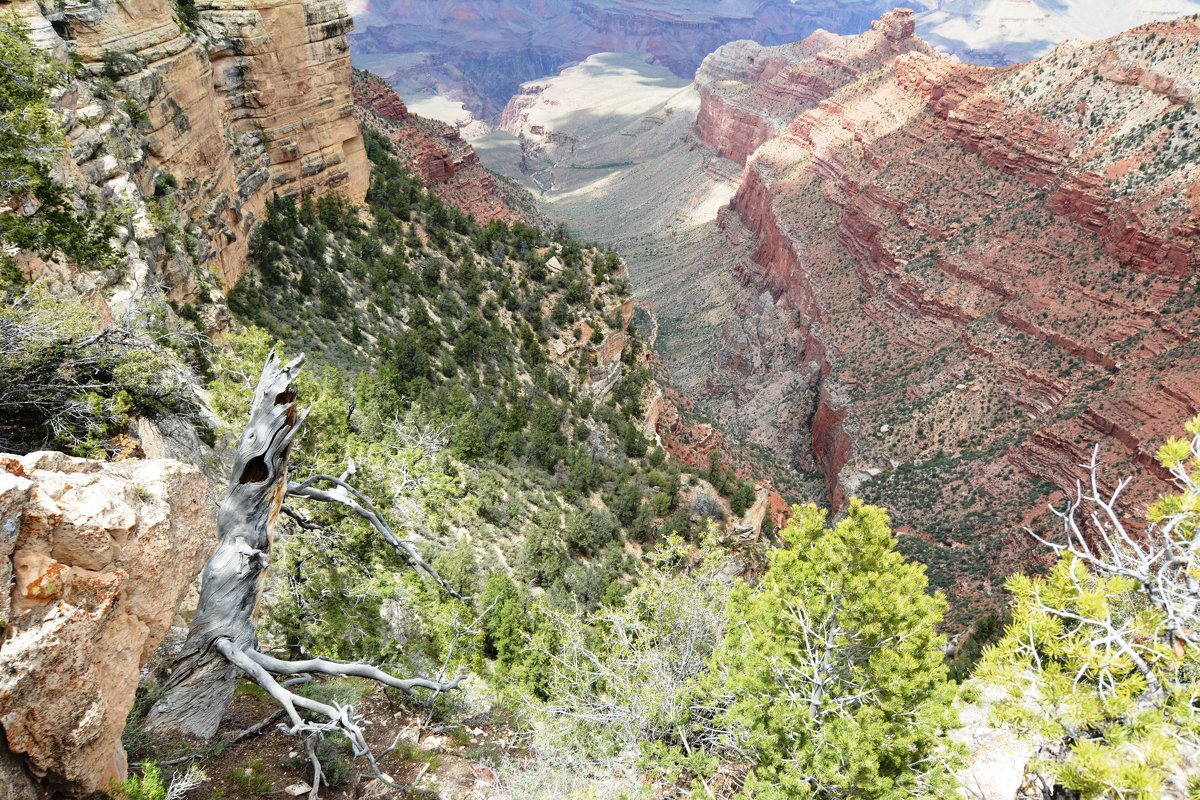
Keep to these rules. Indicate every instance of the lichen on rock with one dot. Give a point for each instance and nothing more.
(94, 559)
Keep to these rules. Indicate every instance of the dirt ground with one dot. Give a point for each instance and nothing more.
(431, 759)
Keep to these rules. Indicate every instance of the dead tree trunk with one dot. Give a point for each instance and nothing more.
(202, 683)
(222, 644)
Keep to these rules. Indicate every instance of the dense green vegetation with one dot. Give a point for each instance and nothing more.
(455, 367)
(821, 679)
(836, 665)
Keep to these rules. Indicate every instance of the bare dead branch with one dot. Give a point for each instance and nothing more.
(351, 498)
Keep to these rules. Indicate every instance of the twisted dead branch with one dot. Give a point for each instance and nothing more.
(222, 643)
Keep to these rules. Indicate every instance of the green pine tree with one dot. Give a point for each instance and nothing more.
(835, 664)
(1102, 656)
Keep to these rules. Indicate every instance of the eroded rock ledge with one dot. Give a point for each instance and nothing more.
(94, 560)
(252, 100)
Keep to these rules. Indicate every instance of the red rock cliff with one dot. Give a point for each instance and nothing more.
(750, 93)
(254, 100)
(996, 270)
(437, 152)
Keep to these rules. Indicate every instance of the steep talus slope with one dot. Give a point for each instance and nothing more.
(439, 156)
(250, 100)
(480, 51)
(999, 270)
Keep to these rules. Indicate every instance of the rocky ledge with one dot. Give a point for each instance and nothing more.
(249, 100)
(94, 560)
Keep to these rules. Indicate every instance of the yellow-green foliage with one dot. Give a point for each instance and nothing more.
(835, 665)
(251, 779)
(1091, 663)
(626, 676)
(30, 137)
(343, 593)
(826, 676)
(147, 786)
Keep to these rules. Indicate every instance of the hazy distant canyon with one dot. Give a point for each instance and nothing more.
(860, 317)
(462, 60)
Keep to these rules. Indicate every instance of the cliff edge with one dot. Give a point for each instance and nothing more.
(219, 111)
(94, 560)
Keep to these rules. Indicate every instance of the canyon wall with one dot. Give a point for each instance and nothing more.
(94, 559)
(177, 132)
(439, 156)
(248, 100)
(995, 270)
(480, 51)
(750, 93)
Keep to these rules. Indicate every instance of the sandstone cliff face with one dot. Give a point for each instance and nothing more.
(254, 101)
(995, 271)
(750, 93)
(437, 153)
(94, 559)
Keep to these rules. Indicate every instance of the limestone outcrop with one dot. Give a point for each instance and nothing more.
(247, 100)
(94, 560)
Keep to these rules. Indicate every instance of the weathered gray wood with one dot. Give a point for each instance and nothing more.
(222, 644)
(202, 683)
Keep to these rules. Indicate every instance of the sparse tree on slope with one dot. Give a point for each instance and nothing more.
(222, 644)
(1102, 658)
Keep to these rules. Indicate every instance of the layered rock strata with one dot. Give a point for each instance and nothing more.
(439, 156)
(250, 101)
(750, 93)
(94, 559)
(994, 270)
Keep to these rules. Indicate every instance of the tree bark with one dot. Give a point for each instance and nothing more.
(222, 645)
(201, 686)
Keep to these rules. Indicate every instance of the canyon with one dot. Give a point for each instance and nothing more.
(935, 285)
(461, 61)
(865, 268)
(477, 52)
